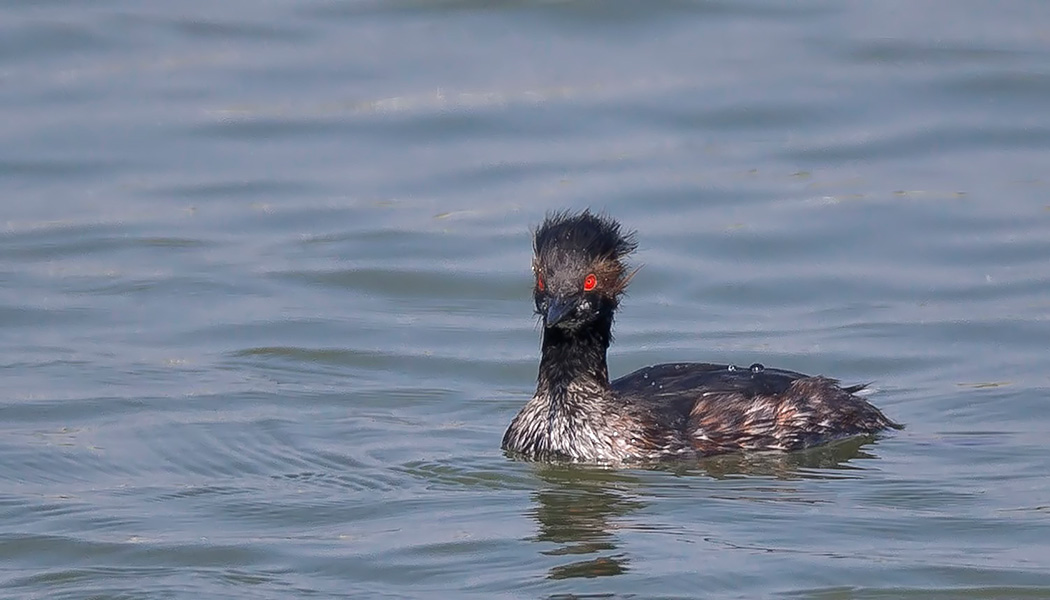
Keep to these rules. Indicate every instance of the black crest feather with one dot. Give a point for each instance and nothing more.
(595, 236)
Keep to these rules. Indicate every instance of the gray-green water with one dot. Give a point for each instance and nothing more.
(265, 293)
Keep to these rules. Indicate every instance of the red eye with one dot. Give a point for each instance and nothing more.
(589, 282)
(539, 282)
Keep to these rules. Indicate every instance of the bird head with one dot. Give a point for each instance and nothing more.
(580, 268)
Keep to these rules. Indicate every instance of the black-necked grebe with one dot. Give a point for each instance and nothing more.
(672, 410)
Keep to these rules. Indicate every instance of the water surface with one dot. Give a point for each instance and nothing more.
(265, 305)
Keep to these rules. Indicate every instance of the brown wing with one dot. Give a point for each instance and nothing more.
(810, 412)
(726, 409)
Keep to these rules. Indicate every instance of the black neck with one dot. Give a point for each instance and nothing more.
(574, 356)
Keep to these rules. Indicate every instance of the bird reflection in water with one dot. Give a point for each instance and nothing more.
(577, 510)
(582, 507)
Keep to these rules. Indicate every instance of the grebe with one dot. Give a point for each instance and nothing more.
(677, 410)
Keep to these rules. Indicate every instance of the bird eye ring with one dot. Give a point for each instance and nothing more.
(590, 282)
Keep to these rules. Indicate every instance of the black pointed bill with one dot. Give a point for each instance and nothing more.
(558, 310)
